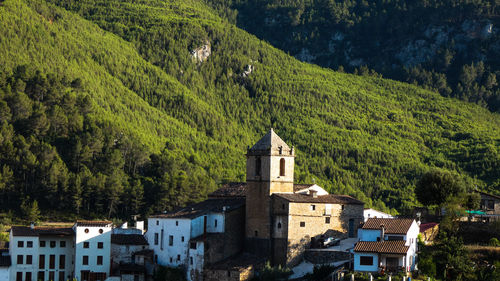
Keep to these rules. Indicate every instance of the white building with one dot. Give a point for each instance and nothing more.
(40, 253)
(180, 238)
(92, 250)
(128, 246)
(5, 263)
(372, 213)
(386, 244)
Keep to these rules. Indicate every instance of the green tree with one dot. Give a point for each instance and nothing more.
(437, 186)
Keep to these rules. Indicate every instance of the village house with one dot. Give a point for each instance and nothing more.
(386, 244)
(490, 205)
(372, 213)
(5, 261)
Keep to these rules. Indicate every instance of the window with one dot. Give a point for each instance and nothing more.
(313, 207)
(302, 224)
(279, 225)
(283, 206)
(62, 244)
(29, 244)
(176, 223)
(491, 204)
(41, 261)
(191, 260)
(100, 245)
(52, 261)
(161, 237)
(156, 238)
(19, 276)
(20, 244)
(101, 230)
(62, 261)
(86, 245)
(170, 240)
(178, 257)
(28, 276)
(52, 244)
(182, 239)
(257, 166)
(86, 230)
(85, 260)
(156, 258)
(282, 167)
(41, 276)
(365, 260)
(42, 243)
(157, 222)
(192, 245)
(215, 224)
(256, 233)
(19, 259)
(99, 260)
(52, 276)
(61, 276)
(171, 260)
(342, 207)
(85, 275)
(29, 259)
(327, 220)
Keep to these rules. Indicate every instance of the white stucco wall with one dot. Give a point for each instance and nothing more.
(412, 242)
(4, 273)
(14, 251)
(211, 225)
(123, 253)
(93, 237)
(368, 234)
(371, 213)
(197, 256)
(371, 268)
(175, 227)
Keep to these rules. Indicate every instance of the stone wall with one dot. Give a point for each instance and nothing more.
(242, 274)
(324, 257)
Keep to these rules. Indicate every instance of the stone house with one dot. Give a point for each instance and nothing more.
(490, 204)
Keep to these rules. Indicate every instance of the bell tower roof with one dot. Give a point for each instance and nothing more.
(270, 144)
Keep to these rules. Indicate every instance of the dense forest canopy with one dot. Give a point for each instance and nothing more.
(106, 111)
(450, 46)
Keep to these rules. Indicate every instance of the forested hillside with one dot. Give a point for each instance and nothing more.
(106, 112)
(450, 46)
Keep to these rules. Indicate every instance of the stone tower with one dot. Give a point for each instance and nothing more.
(270, 165)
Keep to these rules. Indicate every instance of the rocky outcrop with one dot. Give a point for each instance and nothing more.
(202, 53)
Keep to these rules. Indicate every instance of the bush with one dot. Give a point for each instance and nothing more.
(494, 242)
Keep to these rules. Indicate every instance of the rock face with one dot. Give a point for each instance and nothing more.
(248, 70)
(202, 53)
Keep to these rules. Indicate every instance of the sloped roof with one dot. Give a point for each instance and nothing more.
(382, 247)
(93, 223)
(128, 239)
(41, 231)
(392, 226)
(238, 189)
(425, 226)
(210, 205)
(268, 144)
(327, 199)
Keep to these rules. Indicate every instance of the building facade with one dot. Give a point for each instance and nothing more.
(386, 245)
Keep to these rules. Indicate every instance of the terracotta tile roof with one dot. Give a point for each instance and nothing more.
(5, 261)
(238, 262)
(425, 226)
(238, 189)
(327, 199)
(233, 189)
(210, 205)
(94, 223)
(392, 226)
(128, 239)
(41, 231)
(382, 247)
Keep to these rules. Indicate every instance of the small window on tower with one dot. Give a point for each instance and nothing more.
(257, 166)
(327, 220)
(279, 225)
(313, 207)
(256, 233)
(282, 167)
(302, 224)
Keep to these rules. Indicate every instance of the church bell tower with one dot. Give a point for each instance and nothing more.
(270, 166)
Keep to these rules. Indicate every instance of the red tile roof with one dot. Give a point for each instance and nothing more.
(210, 205)
(392, 226)
(328, 199)
(382, 247)
(94, 223)
(238, 189)
(425, 226)
(41, 231)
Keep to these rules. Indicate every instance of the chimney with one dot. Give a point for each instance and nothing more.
(32, 225)
(382, 232)
(140, 225)
(313, 193)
